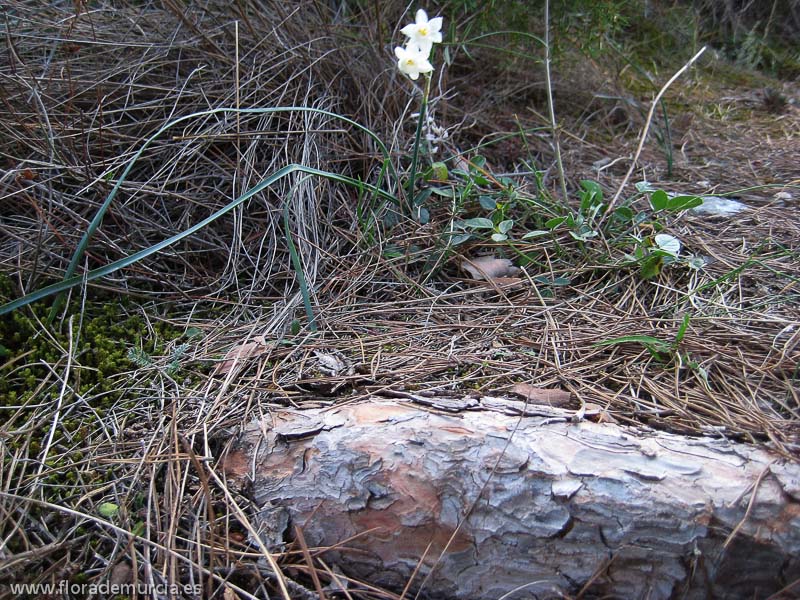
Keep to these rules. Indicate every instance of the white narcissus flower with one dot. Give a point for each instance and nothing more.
(424, 33)
(412, 60)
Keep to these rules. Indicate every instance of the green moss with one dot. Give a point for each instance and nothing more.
(33, 358)
(107, 330)
(80, 578)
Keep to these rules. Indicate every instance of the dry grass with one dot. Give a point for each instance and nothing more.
(82, 88)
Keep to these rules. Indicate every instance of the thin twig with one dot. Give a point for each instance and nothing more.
(551, 105)
(645, 131)
(750, 504)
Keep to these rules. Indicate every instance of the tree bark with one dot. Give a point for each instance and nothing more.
(489, 505)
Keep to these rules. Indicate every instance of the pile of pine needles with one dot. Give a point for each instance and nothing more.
(133, 494)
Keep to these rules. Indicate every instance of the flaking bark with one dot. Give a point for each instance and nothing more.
(628, 513)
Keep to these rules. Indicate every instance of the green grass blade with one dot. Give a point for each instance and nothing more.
(98, 218)
(682, 330)
(70, 282)
(298, 267)
(647, 341)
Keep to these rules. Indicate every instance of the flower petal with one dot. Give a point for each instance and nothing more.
(421, 17)
(422, 46)
(409, 30)
(411, 61)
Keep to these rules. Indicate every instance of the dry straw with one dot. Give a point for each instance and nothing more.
(83, 87)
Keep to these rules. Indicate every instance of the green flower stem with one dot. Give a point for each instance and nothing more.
(412, 179)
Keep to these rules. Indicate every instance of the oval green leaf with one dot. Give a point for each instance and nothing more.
(479, 223)
(107, 509)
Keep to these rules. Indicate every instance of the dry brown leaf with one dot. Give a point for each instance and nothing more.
(229, 594)
(594, 412)
(241, 353)
(592, 409)
(598, 414)
(333, 364)
(504, 283)
(489, 267)
(537, 395)
(237, 536)
(605, 417)
(120, 574)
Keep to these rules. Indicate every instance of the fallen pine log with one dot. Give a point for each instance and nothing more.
(480, 504)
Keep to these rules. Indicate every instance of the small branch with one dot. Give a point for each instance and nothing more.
(646, 130)
(550, 105)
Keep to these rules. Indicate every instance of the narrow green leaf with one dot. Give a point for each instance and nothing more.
(445, 192)
(554, 222)
(98, 217)
(71, 282)
(648, 341)
(624, 213)
(682, 329)
(298, 266)
(534, 234)
(391, 251)
(421, 196)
